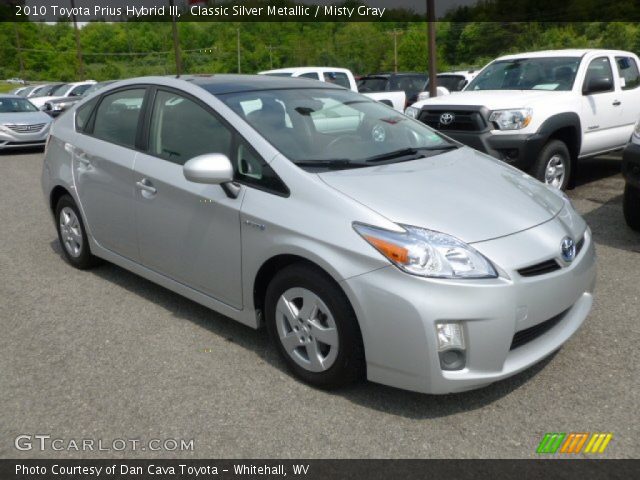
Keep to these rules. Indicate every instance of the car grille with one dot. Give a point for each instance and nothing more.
(463, 120)
(27, 128)
(529, 334)
(547, 266)
(541, 268)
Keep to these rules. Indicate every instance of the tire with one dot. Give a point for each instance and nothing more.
(338, 362)
(553, 155)
(72, 235)
(631, 206)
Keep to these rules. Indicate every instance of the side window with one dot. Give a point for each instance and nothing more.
(339, 78)
(599, 68)
(79, 90)
(251, 169)
(84, 113)
(312, 75)
(181, 129)
(117, 117)
(628, 72)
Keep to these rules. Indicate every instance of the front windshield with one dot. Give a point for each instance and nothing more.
(544, 73)
(372, 84)
(46, 91)
(60, 91)
(332, 125)
(16, 105)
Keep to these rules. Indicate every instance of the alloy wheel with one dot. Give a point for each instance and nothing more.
(70, 232)
(555, 171)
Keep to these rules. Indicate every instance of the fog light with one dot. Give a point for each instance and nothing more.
(451, 346)
(449, 336)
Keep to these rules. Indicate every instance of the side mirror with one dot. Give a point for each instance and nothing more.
(598, 85)
(211, 168)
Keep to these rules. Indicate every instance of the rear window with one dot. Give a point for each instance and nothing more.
(628, 72)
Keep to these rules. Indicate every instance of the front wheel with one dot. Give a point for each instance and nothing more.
(314, 328)
(553, 165)
(631, 206)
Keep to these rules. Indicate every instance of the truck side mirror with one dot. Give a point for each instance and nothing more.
(597, 85)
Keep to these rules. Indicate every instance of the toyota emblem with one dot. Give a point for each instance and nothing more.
(568, 249)
(447, 118)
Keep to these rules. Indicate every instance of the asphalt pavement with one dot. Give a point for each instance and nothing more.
(106, 355)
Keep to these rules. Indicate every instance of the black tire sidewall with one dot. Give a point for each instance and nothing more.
(553, 147)
(349, 364)
(631, 206)
(85, 259)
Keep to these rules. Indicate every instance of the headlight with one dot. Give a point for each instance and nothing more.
(511, 119)
(58, 106)
(426, 253)
(423, 96)
(4, 129)
(412, 112)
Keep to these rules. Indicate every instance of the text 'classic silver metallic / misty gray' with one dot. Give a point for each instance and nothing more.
(367, 243)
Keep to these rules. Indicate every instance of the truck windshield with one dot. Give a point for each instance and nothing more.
(334, 125)
(544, 73)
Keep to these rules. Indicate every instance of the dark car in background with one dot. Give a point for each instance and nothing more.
(411, 83)
(631, 172)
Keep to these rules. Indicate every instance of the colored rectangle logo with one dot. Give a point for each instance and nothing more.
(574, 443)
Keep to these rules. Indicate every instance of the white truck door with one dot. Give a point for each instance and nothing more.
(601, 112)
(629, 80)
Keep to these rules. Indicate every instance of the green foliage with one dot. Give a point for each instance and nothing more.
(126, 49)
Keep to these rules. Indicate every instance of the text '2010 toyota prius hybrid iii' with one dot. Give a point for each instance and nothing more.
(367, 243)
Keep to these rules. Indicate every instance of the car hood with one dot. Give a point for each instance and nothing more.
(64, 100)
(24, 118)
(463, 193)
(39, 101)
(493, 99)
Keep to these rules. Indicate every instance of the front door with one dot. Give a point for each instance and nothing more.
(187, 231)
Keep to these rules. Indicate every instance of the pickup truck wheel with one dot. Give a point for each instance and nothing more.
(631, 207)
(553, 166)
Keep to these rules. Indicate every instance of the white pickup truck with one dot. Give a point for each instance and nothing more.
(343, 77)
(543, 111)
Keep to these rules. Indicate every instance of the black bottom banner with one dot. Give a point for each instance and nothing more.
(317, 469)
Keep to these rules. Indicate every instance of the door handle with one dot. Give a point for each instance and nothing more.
(617, 103)
(146, 186)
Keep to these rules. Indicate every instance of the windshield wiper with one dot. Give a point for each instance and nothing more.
(337, 164)
(411, 153)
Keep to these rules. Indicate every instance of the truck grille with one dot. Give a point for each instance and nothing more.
(529, 334)
(462, 121)
(27, 128)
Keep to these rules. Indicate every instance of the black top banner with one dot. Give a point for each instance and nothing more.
(318, 10)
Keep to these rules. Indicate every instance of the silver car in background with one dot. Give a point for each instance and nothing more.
(22, 125)
(367, 243)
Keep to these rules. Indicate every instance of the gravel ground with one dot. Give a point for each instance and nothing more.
(108, 355)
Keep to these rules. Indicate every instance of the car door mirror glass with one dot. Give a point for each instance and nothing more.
(211, 168)
(598, 85)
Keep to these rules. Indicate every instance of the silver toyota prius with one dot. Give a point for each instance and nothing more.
(365, 242)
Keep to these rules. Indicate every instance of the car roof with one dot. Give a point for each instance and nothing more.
(218, 84)
(8, 95)
(569, 52)
(305, 69)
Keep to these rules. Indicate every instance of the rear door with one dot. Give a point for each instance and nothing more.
(103, 157)
(187, 231)
(629, 78)
(601, 113)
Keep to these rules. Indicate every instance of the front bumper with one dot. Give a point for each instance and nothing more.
(631, 164)
(398, 313)
(519, 150)
(23, 140)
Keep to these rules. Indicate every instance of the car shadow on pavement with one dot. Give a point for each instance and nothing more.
(591, 170)
(369, 395)
(609, 227)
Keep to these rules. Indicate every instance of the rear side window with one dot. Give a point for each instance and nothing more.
(181, 129)
(312, 75)
(83, 114)
(339, 78)
(628, 72)
(117, 117)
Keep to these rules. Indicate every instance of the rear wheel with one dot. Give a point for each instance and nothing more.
(314, 328)
(631, 206)
(72, 235)
(553, 165)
